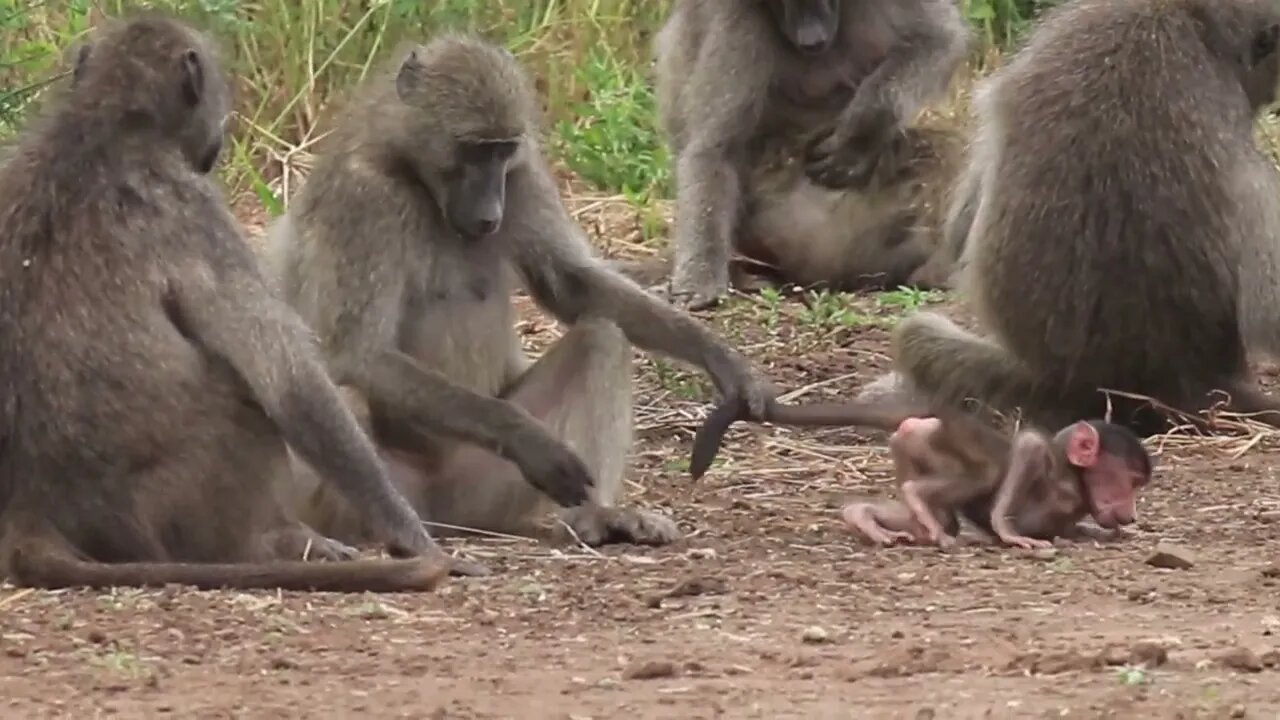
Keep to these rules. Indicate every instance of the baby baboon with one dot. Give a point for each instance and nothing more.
(1121, 223)
(402, 250)
(1025, 490)
(842, 76)
(150, 380)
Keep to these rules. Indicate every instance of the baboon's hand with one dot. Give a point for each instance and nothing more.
(413, 541)
(738, 382)
(847, 156)
(698, 286)
(595, 525)
(552, 467)
(458, 567)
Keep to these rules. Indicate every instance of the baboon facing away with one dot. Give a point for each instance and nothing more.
(1120, 224)
(402, 250)
(150, 380)
(843, 77)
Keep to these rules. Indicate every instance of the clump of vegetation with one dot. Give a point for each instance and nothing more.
(295, 60)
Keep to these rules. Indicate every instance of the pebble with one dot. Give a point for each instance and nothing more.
(814, 634)
(1242, 659)
(704, 585)
(1149, 654)
(650, 670)
(1171, 557)
(284, 663)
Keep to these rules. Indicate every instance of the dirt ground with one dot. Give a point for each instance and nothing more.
(765, 610)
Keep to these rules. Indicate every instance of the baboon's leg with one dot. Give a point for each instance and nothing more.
(581, 389)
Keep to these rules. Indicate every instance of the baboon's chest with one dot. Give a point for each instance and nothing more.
(460, 320)
(827, 83)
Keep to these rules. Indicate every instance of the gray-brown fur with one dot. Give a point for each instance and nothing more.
(151, 383)
(1118, 222)
(414, 311)
(884, 235)
(729, 81)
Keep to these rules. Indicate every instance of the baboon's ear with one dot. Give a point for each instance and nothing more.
(78, 63)
(192, 77)
(407, 76)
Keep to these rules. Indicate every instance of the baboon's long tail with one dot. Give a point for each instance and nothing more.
(37, 563)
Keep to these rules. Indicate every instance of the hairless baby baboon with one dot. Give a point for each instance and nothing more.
(402, 251)
(948, 464)
(843, 77)
(1119, 223)
(150, 381)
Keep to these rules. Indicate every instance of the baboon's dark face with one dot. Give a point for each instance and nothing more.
(476, 187)
(206, 162)
(1262, 71)
(208, 104)
(808, 25)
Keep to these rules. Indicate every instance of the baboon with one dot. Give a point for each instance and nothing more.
(1118, 221)
(841, 77)
(1025, 490)
(402, 250)
(883, 235)
(151, 382)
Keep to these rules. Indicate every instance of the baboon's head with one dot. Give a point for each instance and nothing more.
(470, 114)
(810, 26)
(153, 74)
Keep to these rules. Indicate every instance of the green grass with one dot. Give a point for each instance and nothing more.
(294, 61)
(1002, 22)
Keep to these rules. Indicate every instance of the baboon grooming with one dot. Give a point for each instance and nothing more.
(1120, 223)
(843, 77)
(150, 380)
(402, 250)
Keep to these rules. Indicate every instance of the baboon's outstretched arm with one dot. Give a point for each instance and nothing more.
(563, 276)
(213, 304)
(733, 107)
(711, 160)
(925, 53)
(918, 68)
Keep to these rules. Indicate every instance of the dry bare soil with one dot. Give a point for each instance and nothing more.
(765, 610)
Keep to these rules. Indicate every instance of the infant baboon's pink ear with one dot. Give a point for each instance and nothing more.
(1082, 445)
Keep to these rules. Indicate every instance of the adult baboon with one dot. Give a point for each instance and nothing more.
(842, 76)
(402, 250)
(1121, 223)
(150, 382)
